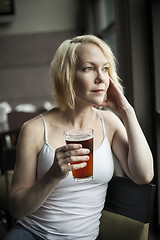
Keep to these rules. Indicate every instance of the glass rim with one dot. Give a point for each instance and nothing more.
(75, 131)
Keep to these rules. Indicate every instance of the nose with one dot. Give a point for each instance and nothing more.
(99, 78)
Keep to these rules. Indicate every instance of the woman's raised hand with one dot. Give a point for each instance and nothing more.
(115, 100)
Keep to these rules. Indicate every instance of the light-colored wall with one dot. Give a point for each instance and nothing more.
(34, 16)
(28, 44)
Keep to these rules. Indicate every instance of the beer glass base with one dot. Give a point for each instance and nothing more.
(87, 179)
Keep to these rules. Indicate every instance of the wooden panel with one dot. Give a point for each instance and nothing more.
(30, 49)
(24, 66)
(25, 85)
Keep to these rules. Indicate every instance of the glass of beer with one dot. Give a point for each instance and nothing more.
(83, 136)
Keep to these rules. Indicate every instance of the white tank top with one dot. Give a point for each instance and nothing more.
(73, 209)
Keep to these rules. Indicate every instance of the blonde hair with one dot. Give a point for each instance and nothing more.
(62, 68)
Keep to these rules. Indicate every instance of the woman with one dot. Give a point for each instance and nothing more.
(44, 198)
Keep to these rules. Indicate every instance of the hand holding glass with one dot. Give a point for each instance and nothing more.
(85, 138)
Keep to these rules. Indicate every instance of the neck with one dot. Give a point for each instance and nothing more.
(79, 117)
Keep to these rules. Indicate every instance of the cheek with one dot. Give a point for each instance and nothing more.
(107, 82)
(80, 84)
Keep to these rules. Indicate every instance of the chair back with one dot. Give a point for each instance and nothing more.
(129, 199)
(9, 160)
(16, 119)
(127, 211)
(15, 122)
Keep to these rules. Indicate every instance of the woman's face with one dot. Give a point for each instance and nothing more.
(91, 75)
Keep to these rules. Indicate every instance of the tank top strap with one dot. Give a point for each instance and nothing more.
(45, 128)
(102, 120)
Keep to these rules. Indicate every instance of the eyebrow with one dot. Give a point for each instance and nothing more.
(107, 63)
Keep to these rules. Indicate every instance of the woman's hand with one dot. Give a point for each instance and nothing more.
(115, 99)
(65, 155)
(129, 143)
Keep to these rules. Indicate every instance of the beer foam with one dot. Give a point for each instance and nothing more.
(80, 137)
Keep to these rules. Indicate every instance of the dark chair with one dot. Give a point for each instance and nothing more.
(9, 136)
(15, 122)
(6, 220)
(8, 160)
(127, 211)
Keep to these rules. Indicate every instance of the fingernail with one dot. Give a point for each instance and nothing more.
(84, 164)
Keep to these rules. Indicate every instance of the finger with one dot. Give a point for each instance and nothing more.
(114, 87)
(65, 150)
(78, 166)
(67, 156)
(77, 152)
(68, 167)
(74, 159)
(68, 147)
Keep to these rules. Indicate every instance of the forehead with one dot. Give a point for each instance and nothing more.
(90, 53)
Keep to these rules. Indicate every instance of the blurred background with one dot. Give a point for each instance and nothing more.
(31, 31)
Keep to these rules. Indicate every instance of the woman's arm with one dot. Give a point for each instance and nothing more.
(28, 194)
(129, 143)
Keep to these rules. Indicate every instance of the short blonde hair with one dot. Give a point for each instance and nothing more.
(62, 68)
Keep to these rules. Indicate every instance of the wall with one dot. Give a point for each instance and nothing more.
(27, 46)
(156, 86)
(34, 16)
(141, 65)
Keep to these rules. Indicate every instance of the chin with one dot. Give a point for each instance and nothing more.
(97, 104)
(100, 102)
(95, 101)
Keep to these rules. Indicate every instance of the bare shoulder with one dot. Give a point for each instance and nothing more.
(33, 123)
(111, 118)
(32, 126)
(32, 132)
(112, 123)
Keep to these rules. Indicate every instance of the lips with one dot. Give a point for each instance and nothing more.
(98, 91)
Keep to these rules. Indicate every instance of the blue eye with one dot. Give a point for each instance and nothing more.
(105, 69)
(87, 69)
